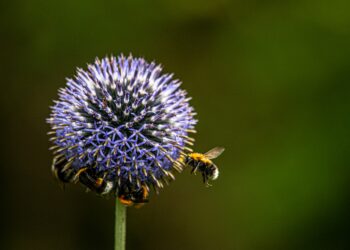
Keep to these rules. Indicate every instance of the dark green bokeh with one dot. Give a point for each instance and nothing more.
(270, 82)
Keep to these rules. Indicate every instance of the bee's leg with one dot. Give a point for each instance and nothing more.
(188, 161)
(194, 169)
(205, 179)
(207, 184)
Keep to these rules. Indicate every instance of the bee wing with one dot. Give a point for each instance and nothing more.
(215, 152)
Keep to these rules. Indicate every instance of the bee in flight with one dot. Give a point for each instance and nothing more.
(203, 163)
(126, 195)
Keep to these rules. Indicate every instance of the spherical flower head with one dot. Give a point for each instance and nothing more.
(123, 120)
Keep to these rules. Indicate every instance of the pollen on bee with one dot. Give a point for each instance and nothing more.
(199, 157)
(99, 181)
(124, 201)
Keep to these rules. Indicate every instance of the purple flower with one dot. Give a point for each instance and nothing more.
(123, 120)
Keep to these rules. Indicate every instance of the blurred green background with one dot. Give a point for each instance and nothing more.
(270, 82)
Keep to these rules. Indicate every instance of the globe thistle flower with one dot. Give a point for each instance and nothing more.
(123, 121)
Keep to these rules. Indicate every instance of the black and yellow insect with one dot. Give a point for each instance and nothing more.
(203, 163)
(126, 195)
(136, 197)
(97, 184)
(62, 171)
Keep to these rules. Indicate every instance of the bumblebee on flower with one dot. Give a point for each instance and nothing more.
(120, 127)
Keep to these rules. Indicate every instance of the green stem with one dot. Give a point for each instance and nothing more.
(120, 226)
